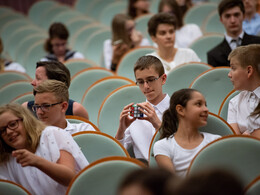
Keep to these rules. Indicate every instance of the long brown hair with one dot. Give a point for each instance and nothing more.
(170, 116)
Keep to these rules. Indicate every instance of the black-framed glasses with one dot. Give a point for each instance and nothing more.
(44, 107)
(149, 81)
(11, 125)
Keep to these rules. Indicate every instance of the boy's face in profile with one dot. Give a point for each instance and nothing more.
(238, 75)
(150, 83)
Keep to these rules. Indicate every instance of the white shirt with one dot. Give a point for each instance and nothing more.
(186, 35)
(183, 55)
(181, 157)
(108, 51)
(76, 55)
(14, 66)
(140, 132)
(53, 139)
(77, 127)
(240, 107)
(229, 39)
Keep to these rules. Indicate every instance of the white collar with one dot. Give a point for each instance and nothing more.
(162, 105)
(229, 39)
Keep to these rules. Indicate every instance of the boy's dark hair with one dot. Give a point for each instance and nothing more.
(146, 62)
(160, 18)
(56, 70)
(228, 4)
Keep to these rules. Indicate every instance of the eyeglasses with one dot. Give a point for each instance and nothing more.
(11, 125)
(149, 81)
(44, 107)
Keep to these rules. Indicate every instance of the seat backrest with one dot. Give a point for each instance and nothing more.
(25, 97)
(96, 7)
(38, 8)
(205, 43)
(197, 13)
(214, 84)
(96, 145)
(76, 65)
(212, 24)
(74, 24)
(97, 92)
(223, 109)
(82, 5)
(114, 103)
(254, 187)
(79, 119)
(11, 188)
(14, 89)
(142, 25)
(103, 176)
(215, 125)
(107, 14)
(63, 17)
(93, 46)
(183, 75)
(84, 79)
(10, 76)
(126, 65)
(234, 153)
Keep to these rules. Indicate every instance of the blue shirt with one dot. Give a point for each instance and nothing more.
(252, 27)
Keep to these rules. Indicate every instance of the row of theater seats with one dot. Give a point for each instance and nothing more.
(109, 92)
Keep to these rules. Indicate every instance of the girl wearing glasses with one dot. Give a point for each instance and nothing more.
(42, 159)
(56, 45)
(180, 137)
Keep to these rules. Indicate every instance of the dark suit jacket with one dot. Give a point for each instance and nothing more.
(218, 56)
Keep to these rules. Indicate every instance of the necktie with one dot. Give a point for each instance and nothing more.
(235, 43)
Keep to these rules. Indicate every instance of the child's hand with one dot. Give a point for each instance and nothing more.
(25, 158)
(136, 37)
(150, 113)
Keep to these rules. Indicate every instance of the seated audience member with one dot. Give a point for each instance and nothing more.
(251, 23)
(138, 132)
(185, 34)
(43, 159)
(57, 71)
(161, 28)
(213, 182)
(51, 100)
(6, 64)
(231, 13)
(138, 8)
(244, 109)
(124, 37)
(148, 181)
(56, 45)
(181, 139)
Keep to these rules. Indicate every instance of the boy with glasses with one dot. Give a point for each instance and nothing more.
(51, 103)
(138, 132)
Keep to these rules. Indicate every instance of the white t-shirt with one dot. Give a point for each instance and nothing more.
(183, 55)
(186, 35)
(76, 55)
(53, 139)
(108, 51)
(14, 66)
(140, 133)
(240, 107)
(180, 157)
(77, 127)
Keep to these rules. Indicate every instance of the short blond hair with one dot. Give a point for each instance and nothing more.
(58, 88)
(247, 55)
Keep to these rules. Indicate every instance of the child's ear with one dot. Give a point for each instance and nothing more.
(164, 78)
(179, 110)
(250, 71)
(65, 106)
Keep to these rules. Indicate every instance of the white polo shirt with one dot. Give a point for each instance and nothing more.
(77, 127)
(240, 107)
(140, 133)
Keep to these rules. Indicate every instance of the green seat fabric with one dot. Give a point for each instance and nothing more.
(254, 188)
(10, 76)
(114, 103)
(212, 24)
(97, 145)
(183, 75)
(237, 154)
(84, 79)
(97, 92)
(215, 85)
(77, 65)
(11, 188)
(103, 176)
